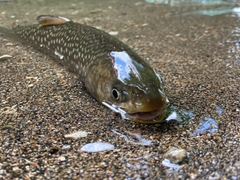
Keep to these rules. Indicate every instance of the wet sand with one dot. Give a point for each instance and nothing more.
(40, 101)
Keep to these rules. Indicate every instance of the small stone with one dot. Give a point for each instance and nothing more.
(113, 33)
(27, 168)
(62, 158)
(176, 155)
(9, 44)
(30, 85)
(2, 171)
(5, 57)
(97, 147)
(76, 135)
(16, 169)
(66, 147)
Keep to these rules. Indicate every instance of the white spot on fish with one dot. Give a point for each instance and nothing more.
(58, 54)
(75, 56)
(63, 18)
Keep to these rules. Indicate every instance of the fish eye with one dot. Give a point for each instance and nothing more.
(116, 94)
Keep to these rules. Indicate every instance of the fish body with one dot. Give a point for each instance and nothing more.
(112, 72)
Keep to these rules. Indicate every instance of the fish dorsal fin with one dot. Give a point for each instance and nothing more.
(48, 20)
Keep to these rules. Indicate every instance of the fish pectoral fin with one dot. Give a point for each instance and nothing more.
(48, 20)
(15, 25)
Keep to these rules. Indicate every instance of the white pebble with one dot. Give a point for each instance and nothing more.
(97, 147)
(113, 33)
(78, 134)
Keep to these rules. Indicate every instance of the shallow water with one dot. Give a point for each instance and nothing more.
(195, 48)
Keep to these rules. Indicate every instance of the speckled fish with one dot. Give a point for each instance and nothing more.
(111, 71)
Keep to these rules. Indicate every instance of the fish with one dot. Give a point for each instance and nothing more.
(112, 72)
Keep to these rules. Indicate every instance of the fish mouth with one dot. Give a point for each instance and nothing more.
(149, 117)
(146, 115)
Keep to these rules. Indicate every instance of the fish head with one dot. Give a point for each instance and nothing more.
(136, 91)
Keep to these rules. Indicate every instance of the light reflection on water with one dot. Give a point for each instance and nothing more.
(180, 115)
(193, 2)
(234, 47)
(228, 6)
(185, 116)
(139, 140)
(219, 110)
(217, 11)
(206, 125)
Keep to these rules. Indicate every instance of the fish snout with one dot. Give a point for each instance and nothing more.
(148, 102)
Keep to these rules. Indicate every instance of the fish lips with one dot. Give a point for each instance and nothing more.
(149, 117)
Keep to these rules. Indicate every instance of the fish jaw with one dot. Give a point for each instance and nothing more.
(150, 116)
(147, 117)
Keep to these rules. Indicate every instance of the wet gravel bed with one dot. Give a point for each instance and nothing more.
(41, 102)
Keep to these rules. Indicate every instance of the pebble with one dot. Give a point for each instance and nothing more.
(2, 171)
(61, 158)
(113, 33)
(76, 135)
(16, 169)
(97, 147)
(176, 155)
(5, 57)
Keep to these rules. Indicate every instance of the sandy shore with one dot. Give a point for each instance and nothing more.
(41, 102)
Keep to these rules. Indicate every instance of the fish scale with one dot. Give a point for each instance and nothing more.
(59, 36)
(112, 72)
